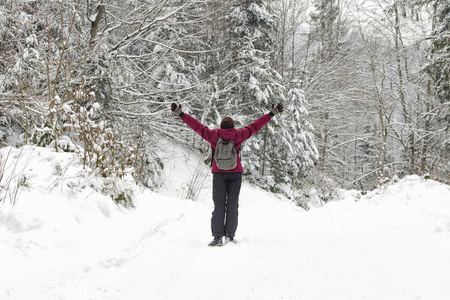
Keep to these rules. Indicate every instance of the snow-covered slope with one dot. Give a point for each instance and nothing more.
(63, 240)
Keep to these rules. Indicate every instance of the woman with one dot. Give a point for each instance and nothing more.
(226, 182)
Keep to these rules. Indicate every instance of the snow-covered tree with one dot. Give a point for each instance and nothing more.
(296, 147)
(291, 17)
(328, 79)
(249, 84)
(439, 66)
(436, 150)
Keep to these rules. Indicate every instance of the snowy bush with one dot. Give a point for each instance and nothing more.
(81, 128)
(5, 128)
(302, 202)
(102, 151)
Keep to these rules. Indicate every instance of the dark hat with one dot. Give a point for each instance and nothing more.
(227, 122)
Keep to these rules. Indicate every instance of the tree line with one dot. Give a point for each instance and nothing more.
(365, 84)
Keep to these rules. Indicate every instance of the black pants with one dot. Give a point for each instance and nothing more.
(226, 188)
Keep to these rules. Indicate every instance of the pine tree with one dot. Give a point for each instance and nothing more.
(298, 137)
(439, 67)
(245, 83)
(439, 70)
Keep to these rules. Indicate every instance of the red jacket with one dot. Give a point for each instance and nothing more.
(236, 135)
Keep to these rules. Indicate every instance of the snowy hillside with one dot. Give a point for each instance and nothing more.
(64, 240)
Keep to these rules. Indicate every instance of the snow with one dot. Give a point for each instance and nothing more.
(64, 240)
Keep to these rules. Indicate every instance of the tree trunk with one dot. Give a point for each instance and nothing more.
(264, 153)
(100, 10)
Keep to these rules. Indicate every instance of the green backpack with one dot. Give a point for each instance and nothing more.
(225, 155)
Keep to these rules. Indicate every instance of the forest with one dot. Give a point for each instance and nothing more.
(365, 85)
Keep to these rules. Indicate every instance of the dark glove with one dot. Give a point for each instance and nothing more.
(176, 110)
(276, 110)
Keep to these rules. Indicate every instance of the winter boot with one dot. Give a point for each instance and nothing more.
(217, 241)
(230, 239)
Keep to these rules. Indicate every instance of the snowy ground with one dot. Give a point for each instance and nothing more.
(73, 243)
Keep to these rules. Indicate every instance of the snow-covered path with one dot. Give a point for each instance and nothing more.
(345, 250)
(392, 244)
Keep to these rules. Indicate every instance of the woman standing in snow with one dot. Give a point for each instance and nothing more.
(226, 180)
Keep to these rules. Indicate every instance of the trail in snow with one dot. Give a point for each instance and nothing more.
(392, 244)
